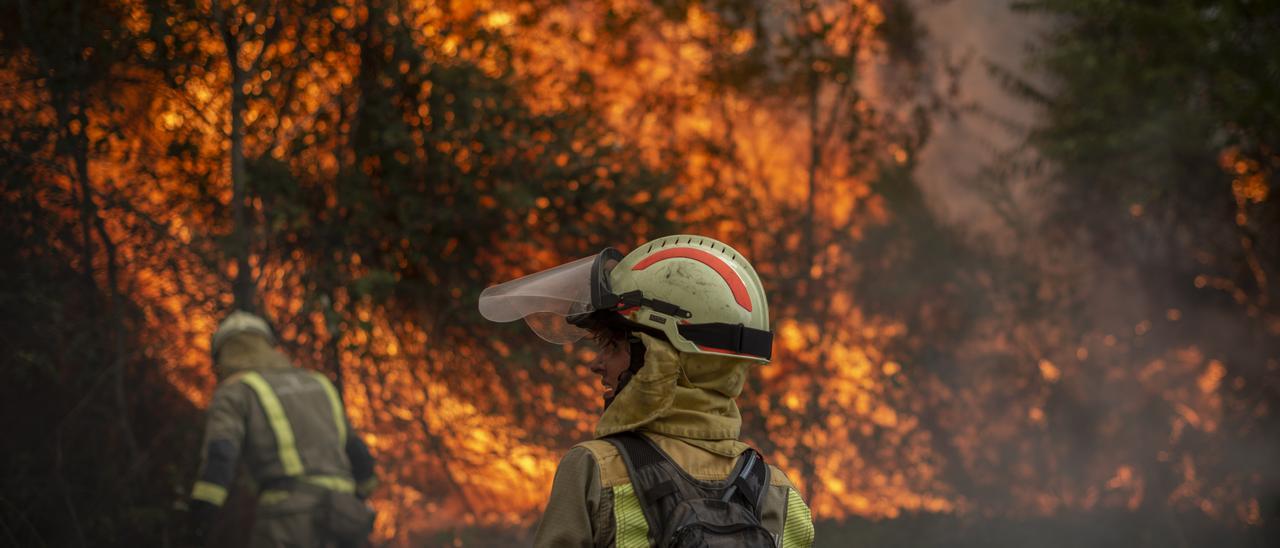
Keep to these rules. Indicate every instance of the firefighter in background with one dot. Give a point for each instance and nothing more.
(290, 429)
(680, 323)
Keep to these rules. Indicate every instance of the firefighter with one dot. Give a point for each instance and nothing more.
(290, 429)
(679, 322)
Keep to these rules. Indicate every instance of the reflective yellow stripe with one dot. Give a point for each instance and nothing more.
(632, 530)
(335, 403)
(279, 423)
(332, 483)
(797, 530)
(211, 493)
(272, 496)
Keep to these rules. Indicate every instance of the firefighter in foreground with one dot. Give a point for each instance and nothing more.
(680, 322)
(289, 427)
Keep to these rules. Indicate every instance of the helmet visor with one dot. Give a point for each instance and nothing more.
(549, 299)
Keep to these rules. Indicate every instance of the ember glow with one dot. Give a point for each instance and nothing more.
(786, 132)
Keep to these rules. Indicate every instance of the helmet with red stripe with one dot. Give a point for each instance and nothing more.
(700, 293)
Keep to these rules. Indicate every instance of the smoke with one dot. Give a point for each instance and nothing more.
(968, 169)
(1149, 375)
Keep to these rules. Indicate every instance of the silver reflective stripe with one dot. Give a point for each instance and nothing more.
(279, 423)
(335, 404)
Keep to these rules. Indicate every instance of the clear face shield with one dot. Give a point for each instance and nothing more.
(553, 301)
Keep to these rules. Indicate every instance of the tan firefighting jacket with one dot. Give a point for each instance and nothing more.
(287, 424)
(685, 404)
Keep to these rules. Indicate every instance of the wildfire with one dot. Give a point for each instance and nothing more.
(465, 436)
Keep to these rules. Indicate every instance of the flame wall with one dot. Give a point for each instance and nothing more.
(1010, 384)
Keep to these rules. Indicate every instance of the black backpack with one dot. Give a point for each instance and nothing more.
(683, 512)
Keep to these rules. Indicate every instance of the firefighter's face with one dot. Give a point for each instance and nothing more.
(613, 357)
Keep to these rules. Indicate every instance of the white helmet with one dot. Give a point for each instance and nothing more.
(239, 322)
(700, 294)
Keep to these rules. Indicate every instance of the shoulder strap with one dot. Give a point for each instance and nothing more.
(637, 450)
(645, 467)
(647, 481)
(748, 481)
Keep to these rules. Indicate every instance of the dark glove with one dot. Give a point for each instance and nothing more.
(199, 519)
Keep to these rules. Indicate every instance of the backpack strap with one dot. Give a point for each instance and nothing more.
(748, 481)
(650, 484)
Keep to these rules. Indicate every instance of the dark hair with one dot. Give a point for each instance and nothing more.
(608, 334)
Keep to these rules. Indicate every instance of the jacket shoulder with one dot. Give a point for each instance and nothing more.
(233, 389)
(613, 470)
(779, 478)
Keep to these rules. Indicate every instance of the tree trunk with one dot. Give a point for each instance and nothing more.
(89, 212)
(243, 286)
(815, 162)
(332, 346)
(74, 141)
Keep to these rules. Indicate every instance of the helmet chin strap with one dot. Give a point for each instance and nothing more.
(636, 350)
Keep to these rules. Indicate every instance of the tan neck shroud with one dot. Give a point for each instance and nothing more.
(247, 351)
(688, 396)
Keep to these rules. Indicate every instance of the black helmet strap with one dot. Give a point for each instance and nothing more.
(636, 298)
(733, 338)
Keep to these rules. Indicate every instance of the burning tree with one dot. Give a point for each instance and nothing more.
(359, 170)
